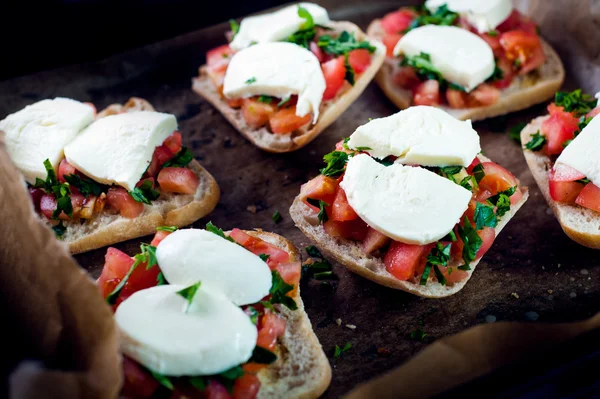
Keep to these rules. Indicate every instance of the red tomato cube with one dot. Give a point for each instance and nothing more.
(286, 121)
(159, 236)
(259, 247)
(351, 230)
(334, 72)
(359, 60)
(398, 21)
(173, 142)
(320, 188)
(558, 128)
(178, 180)
(116, 266)
(138, 383)
(162, 154)
(65, 169)
(589, 197)
(271, 327)
(256, 113)
(118, 198)
(246, 387)
(427, 93)
(402, 260)
(496, 178)
(290, 273)
(340, 210)
(373, 241)
(218, 58)
(390, 40)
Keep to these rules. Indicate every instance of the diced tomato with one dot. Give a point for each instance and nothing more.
(397, 21)
(119, 199)
(496, 178)
(487, 235)
(475, 162)
(173, 142)
(507, 73)
(290, 273)
(516, 197)
(457, 98)
(216, 390)
(589, 197)
(562, 190)
(246, 387)
(162, 154)
(48, 205)
(401, 260)
(140, 279)
(36, 196)
(285, 120)
(138, 383)
(142, 181)
(218, 58)
(334, 72)
(235, 103)
(320, 188)
(317, 51)
(493, 42)
(483, 95)
(359, 60)
(65, 169)
(558, 128)
(116, 266)
(525, 47)
(407, 78)
(256, 113)
(512, 22)
(158, 237)
(178, 180)
(340, 210)
(390, 40)
(351, 230)
(373, 241)
(92, 106)
(455, 276)
(258, 247)
(271, 327)
(427, 93)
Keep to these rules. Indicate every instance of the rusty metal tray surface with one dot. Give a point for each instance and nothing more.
(533, 271)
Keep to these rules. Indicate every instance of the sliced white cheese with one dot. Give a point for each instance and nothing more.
(462, 57)
(212, 336)
(484, 15)
(408, 204)
(276, 26)
(189, 255)
(278, 70)
(40, 131)
(117, 149)
(419, 135)
(582, 153)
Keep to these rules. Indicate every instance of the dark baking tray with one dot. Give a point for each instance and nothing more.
(533, 271)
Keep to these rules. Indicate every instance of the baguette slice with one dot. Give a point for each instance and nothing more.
(169, 210)
(524, 92)
(302, 370)
(350, 255)
(329, 111)
(580, 224)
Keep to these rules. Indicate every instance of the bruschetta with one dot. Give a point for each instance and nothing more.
(475, 59)
(409, 202)
(106, 178)
(287, 75)
(560, 149)
(203, 313)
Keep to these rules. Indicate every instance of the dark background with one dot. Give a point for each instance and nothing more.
(40, 35)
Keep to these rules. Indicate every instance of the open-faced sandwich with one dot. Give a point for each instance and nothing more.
(561, 151)
(474, 58)
(108, 178)
(208, 314)
(287, 75)
(409, 202)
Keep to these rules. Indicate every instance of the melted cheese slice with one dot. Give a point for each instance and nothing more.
(278, 70)
(212, 336)
(408, 204)
(462, 57)
(276, 26)
(419, 135)
(191, 255)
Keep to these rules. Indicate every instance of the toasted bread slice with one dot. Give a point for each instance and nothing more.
(302, 369)
(524, 91)
(168, 210)
(580, 224)
(349, 253)
(329, 111)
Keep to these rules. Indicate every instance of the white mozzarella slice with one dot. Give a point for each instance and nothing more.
(118, 149)
(276, 26)
(40, 131)
(462, 57)
(189, 255)
(408, 204)
(484, 15)
(162, 333)
(278, 70)
(582, 153)
(419, 135)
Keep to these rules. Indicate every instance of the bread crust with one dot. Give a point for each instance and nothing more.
(169, 210)
(579, 224)
(329, 110)
(349, 254)
(522, 93)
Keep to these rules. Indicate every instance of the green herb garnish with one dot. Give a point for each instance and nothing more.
(85, 185)
(340, 351)
(441, 16)
(313, 251)
(189, 293)
(478, 172)
(266, 99)
(322, 216)
(575, 101)
(162, 380)
(278, 292)
(61, 191)
(145, 193)
(343, 44)
(537, 142)
(261, 355)
(418, 334)
(59, 229)
(251, 80)
(215, 230)
(336, 163)
(387, 161)
(276, 217)
(160, 279)
(264, 257)
(484, 216)
(253, 314)
(349, 76)
(170, 229)
(307, 31)
(148, 256)
(234, 26)
(515, 131)
(181, 159)
(438, 256)
(471, 240)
